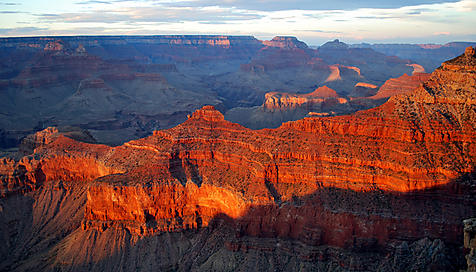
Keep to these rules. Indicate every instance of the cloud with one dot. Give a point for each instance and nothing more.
(151, 15)
(9, 4)
(377, 17)
(93, 2)
(43, 31)
(313, 20)
(321, 31)
(278, 5)
(442, 33)
(468, 5)
(47, 15)
(10, 12)
(20, 31)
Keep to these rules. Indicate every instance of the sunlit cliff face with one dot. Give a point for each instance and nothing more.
(399, 172)
(185, 176)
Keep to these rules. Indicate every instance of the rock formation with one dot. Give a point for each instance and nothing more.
(206, 145)
(401, 85)
(335, 44)
(430, 56)
(363, 89)
(286, 101)
(54, 46)
(395, 179)
(470, 242)
(417, 68)
(124, 87)
(335, 73)
(285, 42)
(373, 66)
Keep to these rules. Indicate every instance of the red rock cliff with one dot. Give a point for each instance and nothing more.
(287, 101)
(279, 182)
(401, 85)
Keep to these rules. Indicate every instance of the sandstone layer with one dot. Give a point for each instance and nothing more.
(401, 85)
(397, 178)
(125, 87)
(286, 101)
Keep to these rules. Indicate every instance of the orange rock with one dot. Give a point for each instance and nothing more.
(366, 85)
(285, 101)
(208, 167)
(401, 85)
(285, 42)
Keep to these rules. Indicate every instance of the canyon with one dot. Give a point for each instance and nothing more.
(121, 88)
(279, 107)
(430, 56)
(383, 189)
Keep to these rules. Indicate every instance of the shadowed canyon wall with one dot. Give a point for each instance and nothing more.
(397, 178)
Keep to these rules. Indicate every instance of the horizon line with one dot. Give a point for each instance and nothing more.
(210, 35)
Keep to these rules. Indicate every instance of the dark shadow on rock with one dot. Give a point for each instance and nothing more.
(176, 169)
(331, 229)
(184, 169)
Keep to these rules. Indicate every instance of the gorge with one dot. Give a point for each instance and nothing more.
(383, 189)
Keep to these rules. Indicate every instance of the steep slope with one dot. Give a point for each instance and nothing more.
(397, 179)
(280, 107)
(125, 87)
(64, 84)
(401, 85)
(374, 66)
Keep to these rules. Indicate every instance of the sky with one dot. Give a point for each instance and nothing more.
(313, 21)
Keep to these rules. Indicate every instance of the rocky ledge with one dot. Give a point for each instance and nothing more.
(400, 172)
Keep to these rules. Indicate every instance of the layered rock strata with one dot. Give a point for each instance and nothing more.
(285, 42)
(287, 101)
(401, 85)
(399, 172)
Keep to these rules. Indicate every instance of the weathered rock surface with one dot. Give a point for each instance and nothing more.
(286, 101)
(280, 107)
(48, 135)
(373, 66)
(285, 42)
(401, 85)
(206, 145)
(470, 243)
(396, 179)
(363, 89)
(430, 56)
(124, 87)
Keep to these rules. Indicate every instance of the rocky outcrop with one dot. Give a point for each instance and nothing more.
(394, 179)
(48, 135)
(372, 66)
(470, 243)
(29, 174)
(401, 85)
(430, 56)
(158, 208)
(335, 73)
(335, 44)
(254, 173)
(363, 89)
(54, 46)
(285, 42)
(417, 68)
(310, 101)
